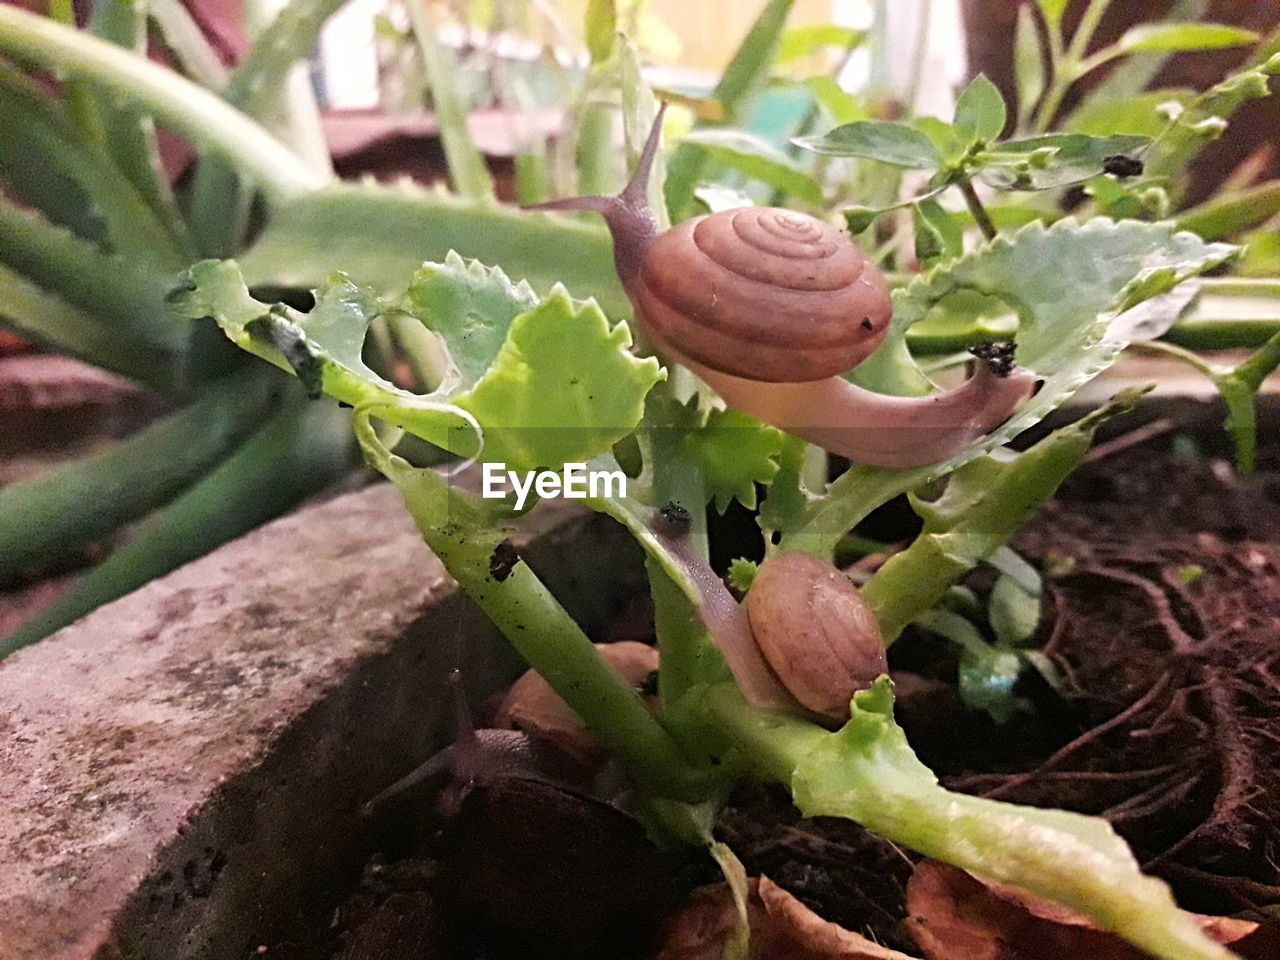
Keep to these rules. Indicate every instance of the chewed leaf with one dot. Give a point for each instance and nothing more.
(1066, 283)
(868, 772)
(321, 347)
(562, 388)
(471, 307)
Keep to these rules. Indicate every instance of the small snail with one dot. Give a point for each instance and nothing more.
(769, 307)
(804, 642)
(816, 632)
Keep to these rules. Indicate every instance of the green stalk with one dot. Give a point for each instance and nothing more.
(866, 772)
(57, 514)
(304, 447)
(467, 170)
(1003, 497)
(462, 532)
(182, 35)
(1231, 214)
(202, 117)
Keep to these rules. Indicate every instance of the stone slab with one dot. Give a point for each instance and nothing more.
(181, 772)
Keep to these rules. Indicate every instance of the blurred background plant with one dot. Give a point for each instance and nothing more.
(142, 135)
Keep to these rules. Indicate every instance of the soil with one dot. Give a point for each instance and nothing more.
(1163, 618)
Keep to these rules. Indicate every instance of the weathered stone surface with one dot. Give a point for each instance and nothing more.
(181, 772)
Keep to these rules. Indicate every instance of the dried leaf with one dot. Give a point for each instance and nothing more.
(956, 916)
(782, 928)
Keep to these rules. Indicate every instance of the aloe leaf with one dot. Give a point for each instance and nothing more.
(300, 450)
(50, 143)
(186, 41)
(1182, 37)
(130, 133)
(380, 235)
(47, 518)
(867, 772)
(205, 119)
(127, 293)
(45, 319)
(467, 170)
(1230, 214)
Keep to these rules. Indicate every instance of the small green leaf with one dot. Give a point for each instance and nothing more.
(471, 307)
(980, 110)
(1014, 612)
(601, 29)
(1052, 161)
(893, 143)
(734, 453)
(858, 219)
(930, 217)
(563, 387)
(758, 159)
(1180, 37)
(742, 573)
(950, 141)
(1053, 10)
(799, 42)
(1028, 65)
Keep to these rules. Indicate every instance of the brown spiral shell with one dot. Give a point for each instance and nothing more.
(763, 294)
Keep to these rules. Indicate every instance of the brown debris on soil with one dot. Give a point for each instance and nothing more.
(956, 916)
(781, 928)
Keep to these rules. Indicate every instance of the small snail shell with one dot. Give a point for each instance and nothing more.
(764, 294)
(769, 307)
(816, 632)
(532, 706)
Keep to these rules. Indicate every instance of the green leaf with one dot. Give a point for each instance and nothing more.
(980, 110)
(1144, 115)
(1052, 161)
(800, 42)
(836, 103)
(1053, 10)
(947, 239)
(893, 143)
(471, 307)
(379, 235)
(742, 573)
(987, 675)
(563, 388)
(733, 453)
(950, 141)
(542, 383)
(1099, 269)
(867, 772)
(1028, 65)
(1230, 214)
(1180, 37)
(756, 158)
(601, 29)
(1014, 611)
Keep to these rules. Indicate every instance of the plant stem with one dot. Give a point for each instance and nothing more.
(202, 117)
(974, 203)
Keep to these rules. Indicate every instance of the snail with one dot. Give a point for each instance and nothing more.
(527, 853)
(770, 307)
(804, 642)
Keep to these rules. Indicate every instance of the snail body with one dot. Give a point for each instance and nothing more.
(769, 307)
